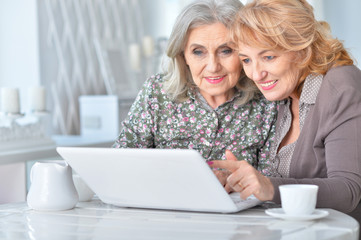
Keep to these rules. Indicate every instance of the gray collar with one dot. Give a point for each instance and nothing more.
(311, 88)
(195, 94)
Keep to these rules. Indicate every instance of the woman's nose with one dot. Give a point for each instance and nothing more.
(258, 73)
(213, 64)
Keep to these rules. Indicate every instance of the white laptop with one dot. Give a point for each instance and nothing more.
(172, 179)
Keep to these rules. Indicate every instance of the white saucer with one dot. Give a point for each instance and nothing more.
(279, 213)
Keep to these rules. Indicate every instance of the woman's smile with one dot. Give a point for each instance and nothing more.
(215, 80)
(268, 85)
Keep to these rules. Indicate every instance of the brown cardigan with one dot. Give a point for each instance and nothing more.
(328, 150)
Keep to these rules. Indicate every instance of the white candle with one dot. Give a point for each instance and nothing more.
(148, 46)
(134, 55)
(10, 102)
(37, 99)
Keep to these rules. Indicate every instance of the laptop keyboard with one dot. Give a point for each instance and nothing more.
(251, 201)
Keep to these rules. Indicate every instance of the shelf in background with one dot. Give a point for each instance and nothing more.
(24, 153)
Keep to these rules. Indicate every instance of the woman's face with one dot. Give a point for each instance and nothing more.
(275, 73)
(213, 63)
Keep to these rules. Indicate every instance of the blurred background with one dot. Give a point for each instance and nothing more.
(76, 49)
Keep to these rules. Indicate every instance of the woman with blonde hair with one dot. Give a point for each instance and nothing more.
(292, 58)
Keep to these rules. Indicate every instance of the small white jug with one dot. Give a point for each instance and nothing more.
(52, 187)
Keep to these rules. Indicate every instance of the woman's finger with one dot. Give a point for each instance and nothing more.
(238, 187)
(247, 191)
(230, 155)
(222, 175)
(230, 165)
(228, 188)
(244, 170)
(231, 162)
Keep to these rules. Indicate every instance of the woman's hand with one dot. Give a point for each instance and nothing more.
(245, 178)
(222, 175)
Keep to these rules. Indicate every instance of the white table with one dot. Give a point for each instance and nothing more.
(96, 220)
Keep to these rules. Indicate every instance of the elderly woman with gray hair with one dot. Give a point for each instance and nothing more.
(203, 101)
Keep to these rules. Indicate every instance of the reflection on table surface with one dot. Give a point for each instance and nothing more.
(96, 220)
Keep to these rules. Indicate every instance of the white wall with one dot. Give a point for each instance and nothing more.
(19, 67)
(12, 183)
(345, 20)
(159, 15)
(19, 56)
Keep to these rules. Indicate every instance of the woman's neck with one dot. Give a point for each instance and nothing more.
(216, 101)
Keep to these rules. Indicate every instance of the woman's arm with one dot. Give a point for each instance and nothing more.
(136, 129)
(331, 156)
(328, 151)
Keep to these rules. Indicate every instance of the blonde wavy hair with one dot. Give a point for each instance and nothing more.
(178, 78)
(290, 26)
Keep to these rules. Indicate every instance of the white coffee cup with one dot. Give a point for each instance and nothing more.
(298, 199)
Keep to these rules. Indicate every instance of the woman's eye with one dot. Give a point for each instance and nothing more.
(227, 51)
(197, 52)
(245, 61)
(269, 57)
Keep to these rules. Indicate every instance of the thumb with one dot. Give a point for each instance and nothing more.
(230, 156)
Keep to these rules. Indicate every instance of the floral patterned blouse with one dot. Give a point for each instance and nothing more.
(155, 121)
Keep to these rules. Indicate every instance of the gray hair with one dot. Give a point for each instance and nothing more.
(178, 78)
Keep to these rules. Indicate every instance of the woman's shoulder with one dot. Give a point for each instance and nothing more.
(346, 69)
(155, 80)
(340, 81)
(343, 76)
(340, 85)
(153, 85)
(152, 89)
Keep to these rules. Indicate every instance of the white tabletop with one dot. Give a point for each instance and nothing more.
(96, 220)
